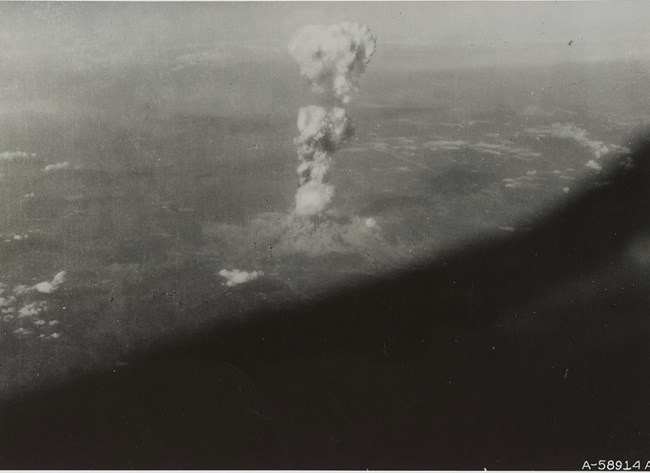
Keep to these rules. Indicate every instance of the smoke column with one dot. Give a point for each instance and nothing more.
(333, 59)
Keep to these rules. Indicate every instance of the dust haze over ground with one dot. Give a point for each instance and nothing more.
(145, 171)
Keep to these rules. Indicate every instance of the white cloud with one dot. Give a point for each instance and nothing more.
(57, 166)
(47, 337)
(445, 145)
(14, 155)
(8, 238)
(236, 276)
(7, 301)
(491, 148)
(527, 181)
(402, 141)
(48, 287)
(497, 149)
(504, 147)
(32, 309)
(579, 135)
(45, 287)
(371, 222)
(21, 289)
(591, 164)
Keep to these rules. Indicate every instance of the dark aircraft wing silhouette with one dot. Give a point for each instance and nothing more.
(528, 351)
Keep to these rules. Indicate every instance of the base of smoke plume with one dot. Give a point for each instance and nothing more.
(277, 234)
(312, 198)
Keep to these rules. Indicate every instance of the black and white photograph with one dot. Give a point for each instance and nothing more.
(375, 235)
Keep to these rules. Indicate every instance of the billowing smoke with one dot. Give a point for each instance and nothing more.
(333, 58)
(321, 133)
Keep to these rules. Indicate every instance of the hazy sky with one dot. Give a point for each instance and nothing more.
(598, 30)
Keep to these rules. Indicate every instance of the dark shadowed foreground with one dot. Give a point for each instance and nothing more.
(523, 352)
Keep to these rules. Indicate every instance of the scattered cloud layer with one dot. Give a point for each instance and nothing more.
(527, 181)
(445, 145)
(504, 147)
(14, 237)
(21, 289)
(25, 309)
(7, 301)
(498, 148)
(532, 179)
(15, 155)
(579, 135)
